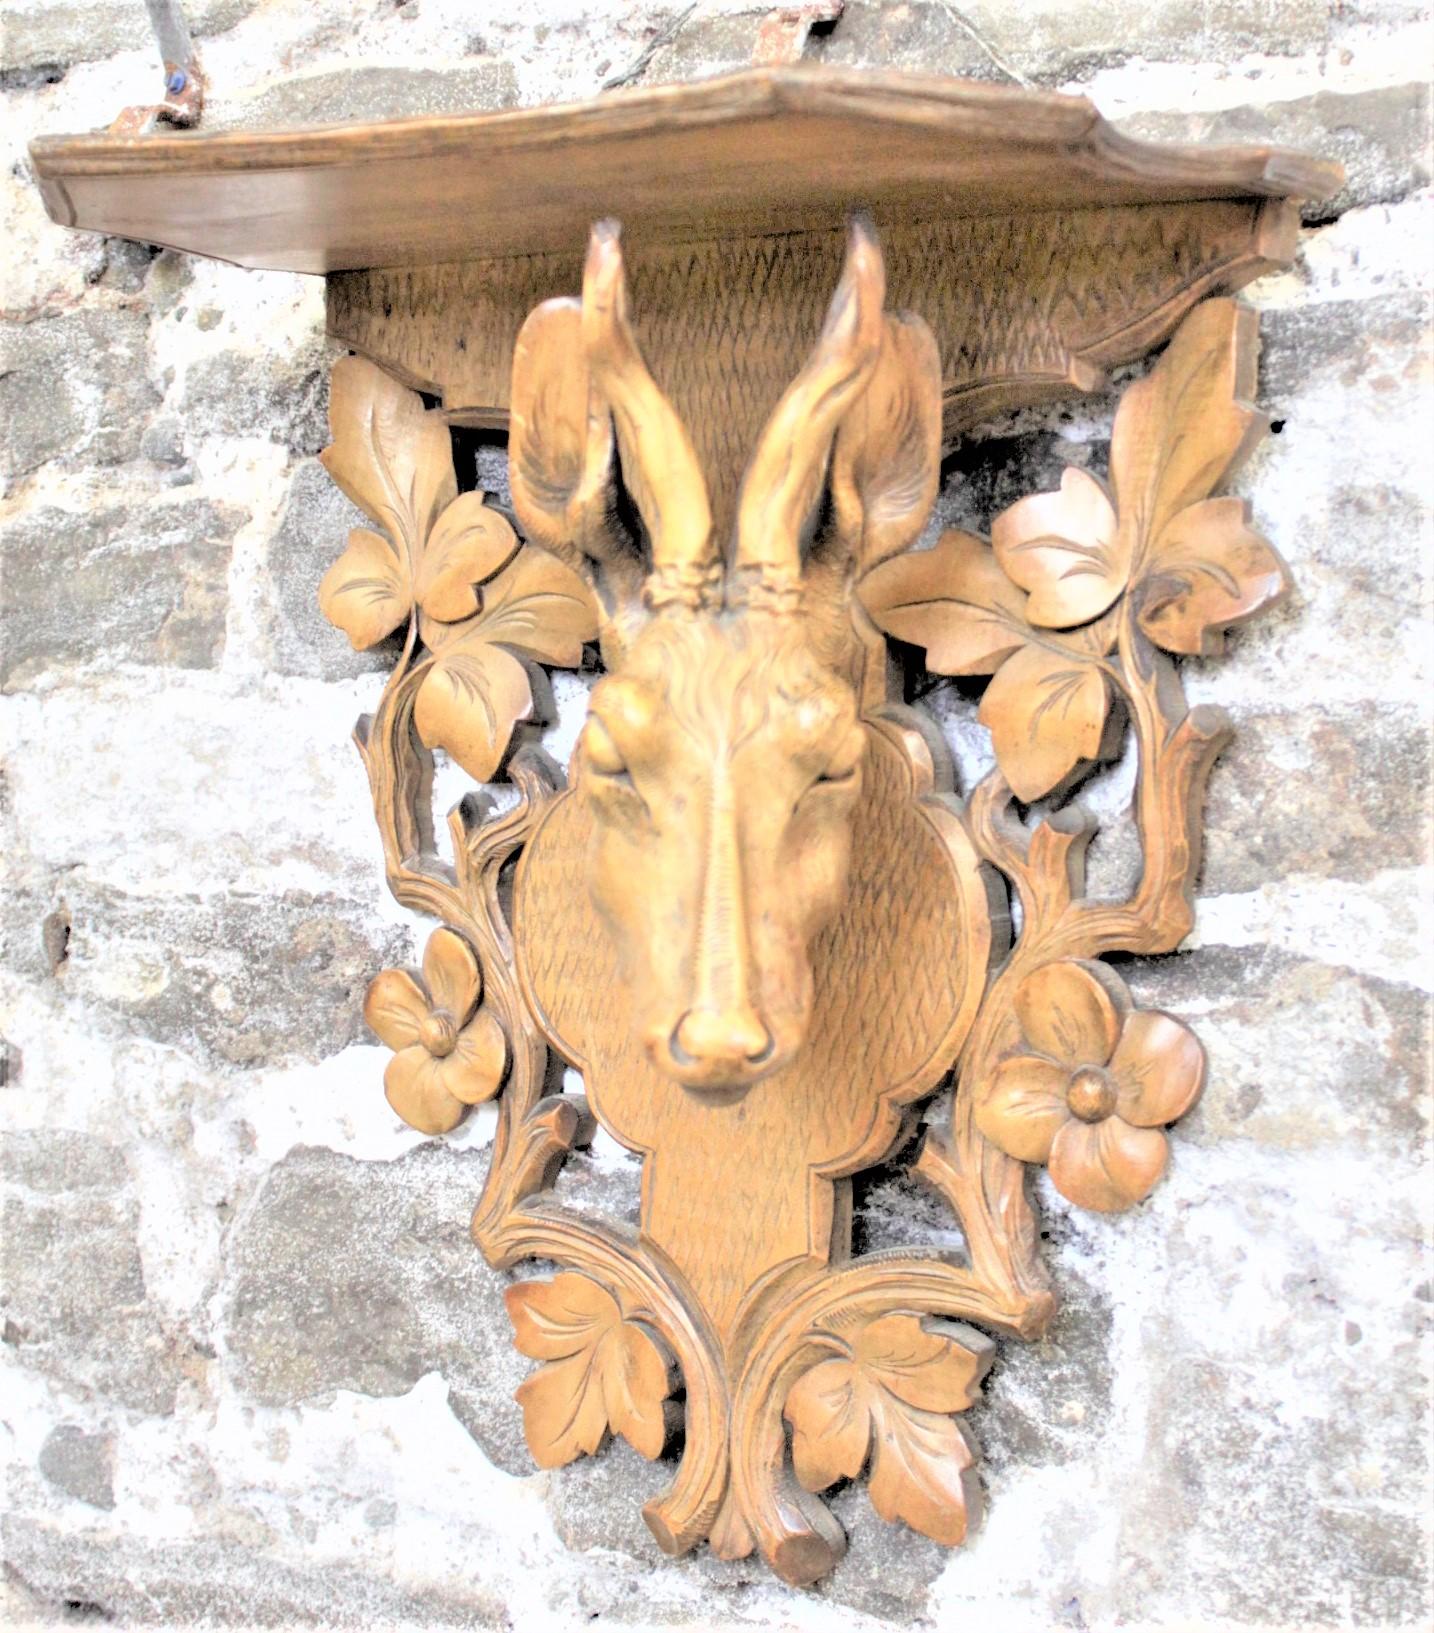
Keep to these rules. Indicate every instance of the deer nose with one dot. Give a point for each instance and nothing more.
(728, 1037)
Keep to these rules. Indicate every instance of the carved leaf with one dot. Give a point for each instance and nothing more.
(1066, 549)
(1189, 423)
(366, 593)
(1208, 570)
(477, 691)
(937, 1370)
(469, 543)
(892, 1399)
(953, 600)
(921, 1471)
(603, 1372)
(1046, 712)
(389, 454)
(829, 1409)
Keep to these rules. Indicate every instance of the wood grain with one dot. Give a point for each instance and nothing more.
(749, 153)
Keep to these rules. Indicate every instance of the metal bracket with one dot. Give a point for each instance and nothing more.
(183, 81)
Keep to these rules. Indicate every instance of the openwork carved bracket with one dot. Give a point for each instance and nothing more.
(758, 917)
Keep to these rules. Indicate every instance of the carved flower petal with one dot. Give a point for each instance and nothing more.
(450, 972)
(1107, 1166)
(395, 1007)
(1066, 549)
(1071, 1010)
(1158, 1067)
(1209, 570)
(415, 1090)
(1046, 712)
(469, 543)
(366, 592)
(474, 1071)
(952, 600)
(1026, 1108)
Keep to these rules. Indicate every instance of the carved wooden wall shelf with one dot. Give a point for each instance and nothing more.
(757, 915)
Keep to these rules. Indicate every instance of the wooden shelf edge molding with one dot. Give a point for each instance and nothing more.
(730, 330)
(773, 149)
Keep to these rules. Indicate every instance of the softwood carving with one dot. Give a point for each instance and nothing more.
(757, 916)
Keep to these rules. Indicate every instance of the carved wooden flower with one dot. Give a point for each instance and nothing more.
(889, 1398)
(1192, 565)
(449, 1053)
(1093, 1087)
(603, 1373)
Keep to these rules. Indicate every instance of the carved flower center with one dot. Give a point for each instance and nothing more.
(439, 1033)
(1091, 1095)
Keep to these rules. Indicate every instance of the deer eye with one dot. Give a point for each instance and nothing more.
(603, 754)
(846, 762)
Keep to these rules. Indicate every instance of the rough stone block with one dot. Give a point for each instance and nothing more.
(1378, 135)
(1295, 1047)
(240, 980)
(75, 387)
(59, 32)
(362, 1276)
(283, 397)
(313, 530)
(124, 585)
(340, 95)
(76, 1309)
(80, 1465)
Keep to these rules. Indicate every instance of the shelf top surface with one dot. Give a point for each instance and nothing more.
(766, 150)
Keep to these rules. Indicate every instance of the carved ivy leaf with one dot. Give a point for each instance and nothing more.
(602, 1372)
(1209, 571)
(1047, 707)
(391, 456)
(1046, 711)
(953, 600)
(1190, 422)
(366, 592)
(1066, 549)
(468, 545)
(477, 690)
(922, 1472)
(890, 1399)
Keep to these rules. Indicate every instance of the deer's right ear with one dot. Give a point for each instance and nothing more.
(560, 444)
(886, 467)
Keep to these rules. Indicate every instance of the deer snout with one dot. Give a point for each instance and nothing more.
(720, 1048)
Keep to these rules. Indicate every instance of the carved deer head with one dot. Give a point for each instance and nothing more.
(722, 755)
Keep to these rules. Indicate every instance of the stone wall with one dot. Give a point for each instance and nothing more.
(255, 1371)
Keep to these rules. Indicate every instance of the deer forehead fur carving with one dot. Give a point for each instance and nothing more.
(722, 755)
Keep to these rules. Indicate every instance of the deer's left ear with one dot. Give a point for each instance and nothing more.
(886, 465)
